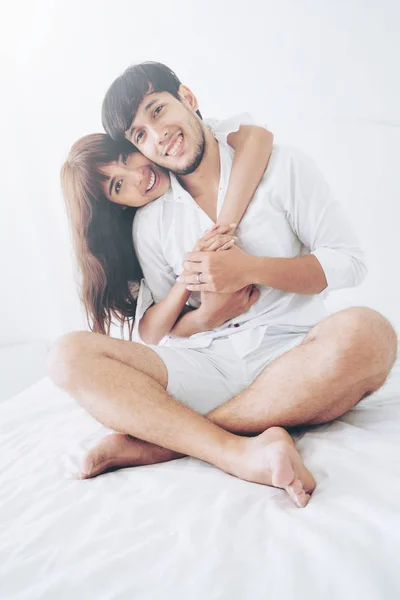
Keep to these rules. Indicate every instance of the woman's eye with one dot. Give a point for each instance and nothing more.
(118, 186)
(124, 158)
(157, 110)
(139, 136)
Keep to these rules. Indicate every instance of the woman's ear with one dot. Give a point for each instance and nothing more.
(188, 98)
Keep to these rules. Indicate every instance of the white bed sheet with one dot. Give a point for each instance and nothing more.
(186, 531)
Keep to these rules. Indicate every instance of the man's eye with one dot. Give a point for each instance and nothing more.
(157, 110)
(118, 186)
(124, 158)
(139, 136)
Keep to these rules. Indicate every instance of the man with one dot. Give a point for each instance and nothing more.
(282, 363)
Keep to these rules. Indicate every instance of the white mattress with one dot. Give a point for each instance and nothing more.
(186, 531)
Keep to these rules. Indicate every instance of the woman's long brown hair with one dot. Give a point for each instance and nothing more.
(101, 234)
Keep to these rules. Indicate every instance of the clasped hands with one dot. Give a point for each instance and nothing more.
(221, 272)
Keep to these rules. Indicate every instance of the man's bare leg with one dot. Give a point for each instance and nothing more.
(359, 328)
(345, 357)
(123, 386)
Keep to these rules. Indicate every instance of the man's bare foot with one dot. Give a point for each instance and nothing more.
(117, 450)
(271, 458)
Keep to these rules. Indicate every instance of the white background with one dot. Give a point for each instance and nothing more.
(323, 75)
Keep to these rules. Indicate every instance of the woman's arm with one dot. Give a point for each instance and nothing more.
(215, 310)
(253, 147)
(159, 319)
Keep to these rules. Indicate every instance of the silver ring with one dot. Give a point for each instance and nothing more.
(198, 278)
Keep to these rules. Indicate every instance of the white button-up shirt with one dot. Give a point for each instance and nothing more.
(291, 214)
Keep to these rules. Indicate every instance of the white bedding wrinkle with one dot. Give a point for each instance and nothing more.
(184, 530)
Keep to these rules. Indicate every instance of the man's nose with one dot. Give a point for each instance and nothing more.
(163, 137)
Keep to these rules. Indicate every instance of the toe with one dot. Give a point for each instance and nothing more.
(86, 469)
(302, 499)
(94, 464)
(297, 494)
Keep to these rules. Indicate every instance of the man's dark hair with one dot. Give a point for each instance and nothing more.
(124, 96)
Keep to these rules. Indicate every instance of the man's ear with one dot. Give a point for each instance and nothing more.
(188, 98)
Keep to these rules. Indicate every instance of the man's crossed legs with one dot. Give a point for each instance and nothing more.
(345, 357)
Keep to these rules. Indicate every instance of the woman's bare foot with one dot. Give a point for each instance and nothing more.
(271, 458)
(117, 450)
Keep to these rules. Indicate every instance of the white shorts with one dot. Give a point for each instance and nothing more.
(204, 378)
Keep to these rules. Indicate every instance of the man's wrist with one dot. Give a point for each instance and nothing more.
(254, 270)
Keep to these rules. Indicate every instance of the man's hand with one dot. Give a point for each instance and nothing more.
(219, 237)
(224, 272)
(216, 309)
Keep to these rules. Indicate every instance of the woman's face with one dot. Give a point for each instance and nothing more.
(134, 180)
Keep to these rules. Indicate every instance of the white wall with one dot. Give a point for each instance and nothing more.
(323, 75)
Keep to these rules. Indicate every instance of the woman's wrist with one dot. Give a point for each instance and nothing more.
(182, 293)
(189, 324)
(206, 322)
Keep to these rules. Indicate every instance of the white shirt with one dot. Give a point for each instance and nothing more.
(291, 214)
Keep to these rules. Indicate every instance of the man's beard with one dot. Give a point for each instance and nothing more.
(200, 149)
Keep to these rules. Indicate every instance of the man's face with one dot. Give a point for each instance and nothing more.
(169, 132)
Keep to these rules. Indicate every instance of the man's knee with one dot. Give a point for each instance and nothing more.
(70, 354)
(371, 333)
(65, 354)
(362, 338)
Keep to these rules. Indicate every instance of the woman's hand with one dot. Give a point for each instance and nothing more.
(219, 237)
(216, 309)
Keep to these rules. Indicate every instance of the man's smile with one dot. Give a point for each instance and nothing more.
(175, 146)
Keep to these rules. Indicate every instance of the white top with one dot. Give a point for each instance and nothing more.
(291, 214)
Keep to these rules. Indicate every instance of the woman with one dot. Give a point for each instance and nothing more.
(101, 208)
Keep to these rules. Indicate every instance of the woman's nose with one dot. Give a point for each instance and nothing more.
(137, 178)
